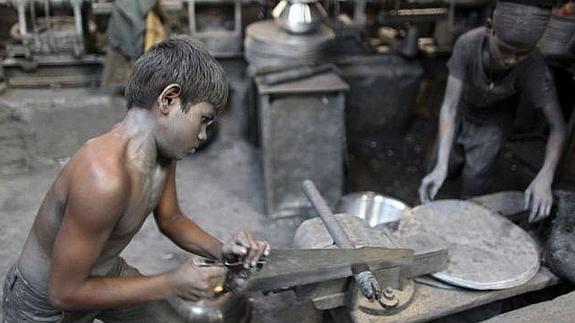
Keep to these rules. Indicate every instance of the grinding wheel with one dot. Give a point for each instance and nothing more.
(486, 251)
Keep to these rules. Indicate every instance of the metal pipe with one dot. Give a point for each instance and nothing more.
(237, 17)
(49, 30)
(359, 12)
(364, 278)
(192, 16)
(22, 18)
(37, 43)
(76, 6)
(331, 224)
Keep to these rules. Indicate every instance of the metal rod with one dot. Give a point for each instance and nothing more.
(237, 17)
(331, 224)
(76, 7)
(363, 277)
(49, 30)
(22, 18)
(359, 12)
(192, 16)
(36, 32)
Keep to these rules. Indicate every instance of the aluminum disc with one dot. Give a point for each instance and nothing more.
(486, 251)
(267, 32)
(266, 44)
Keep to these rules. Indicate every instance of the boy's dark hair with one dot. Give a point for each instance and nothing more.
(178, 60)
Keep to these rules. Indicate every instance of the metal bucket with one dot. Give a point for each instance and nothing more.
(374, 208)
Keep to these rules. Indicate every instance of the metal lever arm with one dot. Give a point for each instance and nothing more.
(365, 279)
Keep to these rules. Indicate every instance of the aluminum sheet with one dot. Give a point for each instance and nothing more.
(486, 251)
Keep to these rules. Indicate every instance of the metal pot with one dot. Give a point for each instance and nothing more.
(374, 208)
(299, 16)
(228, 308)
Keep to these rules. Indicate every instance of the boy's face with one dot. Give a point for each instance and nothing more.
(505, 55)
(183, 132)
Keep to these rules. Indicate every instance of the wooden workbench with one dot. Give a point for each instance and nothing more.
(558, 310)
(431, 303)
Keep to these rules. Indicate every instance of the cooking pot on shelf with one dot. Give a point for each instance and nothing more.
(299, 16)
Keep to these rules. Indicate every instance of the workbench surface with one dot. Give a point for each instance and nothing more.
(431, 303)
(558, 310)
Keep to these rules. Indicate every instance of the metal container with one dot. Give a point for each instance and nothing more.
(299, 16)
(374, 208)
(228, 308)
(302, 130)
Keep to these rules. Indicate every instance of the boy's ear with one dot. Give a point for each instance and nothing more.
(170, 96)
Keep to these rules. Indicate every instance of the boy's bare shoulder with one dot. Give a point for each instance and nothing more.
(99, 168)
(94, 185)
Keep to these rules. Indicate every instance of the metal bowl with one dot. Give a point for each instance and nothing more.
(228, 308)
(299, 16)
(374, 208)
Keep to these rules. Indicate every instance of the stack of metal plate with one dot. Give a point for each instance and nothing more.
(267, 44)
(486, 251)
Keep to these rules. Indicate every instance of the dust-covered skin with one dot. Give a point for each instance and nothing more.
(122, 159)
(100, 200)
(480, 90)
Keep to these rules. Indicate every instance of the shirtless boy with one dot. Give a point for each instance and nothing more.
(69, 269)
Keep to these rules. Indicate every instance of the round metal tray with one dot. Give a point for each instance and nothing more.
(486, 251)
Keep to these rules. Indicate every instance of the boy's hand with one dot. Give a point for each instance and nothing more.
(244, 248)
(431, 184)
(539, 198)
(193, 283)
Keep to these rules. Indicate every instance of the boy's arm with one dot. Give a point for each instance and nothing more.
(538, 195)
(179, 228)
(447, 118)
(95, 203)
(189, 236)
